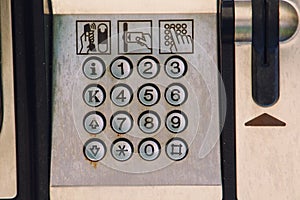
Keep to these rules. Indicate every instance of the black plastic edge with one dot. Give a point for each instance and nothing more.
(265, 52)
(226, 29)
(32, 100)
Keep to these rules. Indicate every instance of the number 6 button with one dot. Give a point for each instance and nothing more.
(149, 122)
(121, 122)
(176, 94)
(148, 67)
(148, 94)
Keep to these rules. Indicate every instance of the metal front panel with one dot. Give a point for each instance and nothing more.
(8, 173)
(201, 166)
(268, 156)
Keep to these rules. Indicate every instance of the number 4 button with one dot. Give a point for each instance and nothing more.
(121, 95)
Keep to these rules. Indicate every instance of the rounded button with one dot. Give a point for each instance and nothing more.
(176, 94)
(175, 67)
(94, 95)
(176, 149)
(94, 149)
(176, 121)
(94, 122)
(149, 122)
(93, 68)
(148, 67)
(121, 95)
(149, 149)
(121, 122)
(122, 149)
(121, 67)
(148, 94)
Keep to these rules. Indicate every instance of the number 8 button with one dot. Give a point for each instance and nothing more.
(149, 122)
(176, 94)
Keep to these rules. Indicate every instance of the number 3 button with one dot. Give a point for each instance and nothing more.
(176, 67)
(148, 67)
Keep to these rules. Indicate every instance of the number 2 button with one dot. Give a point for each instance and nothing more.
(121, 67)
(148, 67)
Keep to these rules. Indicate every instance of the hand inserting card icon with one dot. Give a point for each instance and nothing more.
(143, 39)
(135, 38)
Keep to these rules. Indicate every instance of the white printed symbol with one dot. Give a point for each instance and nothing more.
(176, 36)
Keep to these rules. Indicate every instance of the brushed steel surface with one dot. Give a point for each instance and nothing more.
(288, 20)
(202, 164)
(8, 173)
(268, 158)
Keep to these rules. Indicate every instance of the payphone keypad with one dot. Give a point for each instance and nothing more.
(137, 97)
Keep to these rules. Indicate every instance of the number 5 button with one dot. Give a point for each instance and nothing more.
(148, 67)
(121, 122)
(176, 94)
(175, 67)
(148, 94)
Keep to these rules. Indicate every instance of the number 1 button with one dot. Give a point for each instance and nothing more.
(148, 67)
(121, 67)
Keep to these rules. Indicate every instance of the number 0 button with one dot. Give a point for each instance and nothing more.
(121, 95)
(176, 94)
(149, 149)
(121, 122)
(148, 67)
(148, 94)
(176, 67)
(149, 122)
(176, 121)
(121, 67)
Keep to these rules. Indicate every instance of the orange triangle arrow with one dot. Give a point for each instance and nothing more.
(265, 120)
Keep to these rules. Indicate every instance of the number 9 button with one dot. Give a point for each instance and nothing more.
(176, 121)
